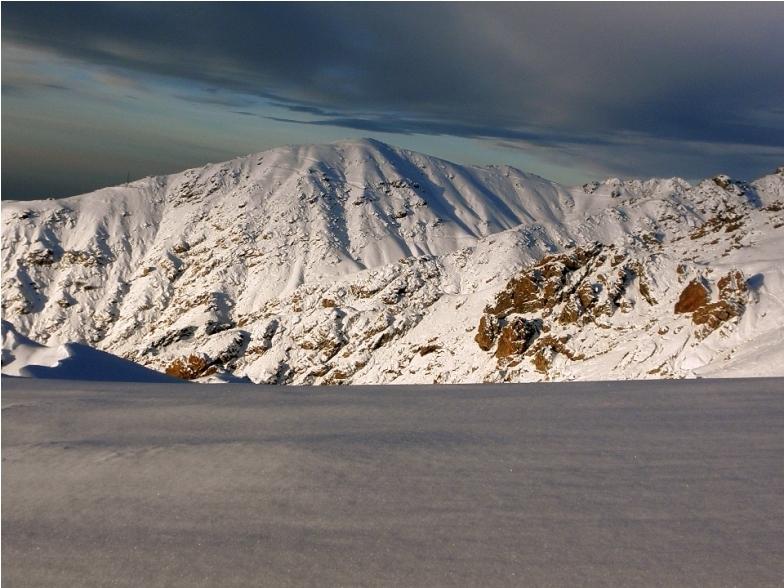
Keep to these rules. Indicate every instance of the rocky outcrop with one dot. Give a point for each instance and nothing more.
(191, 367)
(693, 297)
(558, 291)
(360, 263)
(731, 304)
(487, 332)
(515, 336)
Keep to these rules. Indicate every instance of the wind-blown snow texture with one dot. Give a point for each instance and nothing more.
(357, 262)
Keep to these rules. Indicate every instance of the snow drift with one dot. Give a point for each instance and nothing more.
(70, 361)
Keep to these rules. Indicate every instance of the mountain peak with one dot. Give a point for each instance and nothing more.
(335, 263)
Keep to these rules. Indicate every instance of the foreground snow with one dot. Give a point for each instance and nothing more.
(633, 484)
(361, 263)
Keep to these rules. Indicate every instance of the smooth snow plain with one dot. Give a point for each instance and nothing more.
(657, 483)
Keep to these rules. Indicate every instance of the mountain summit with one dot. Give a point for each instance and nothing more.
(358, 262)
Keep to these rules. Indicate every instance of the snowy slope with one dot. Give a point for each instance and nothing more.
(70, 361)
(359, 262)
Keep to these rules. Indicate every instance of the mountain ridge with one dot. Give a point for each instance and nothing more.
(303, 264)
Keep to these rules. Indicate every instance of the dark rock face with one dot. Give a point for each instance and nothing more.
(555, 284)
(571, 312)
(722, 181)
(557, 290)
(520, 295)
(733, 297)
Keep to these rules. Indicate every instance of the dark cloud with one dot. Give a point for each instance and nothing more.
(407, 126)
(214, 99)
(556, 75)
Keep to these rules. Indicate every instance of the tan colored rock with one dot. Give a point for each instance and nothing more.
(572, 311)
(714, 314)
(429, 348)
(694, 296)
(542, 360)
(521, 295)
(732, 286)
(587, 295)
(515, 337)
(487, 332)
(190, 368)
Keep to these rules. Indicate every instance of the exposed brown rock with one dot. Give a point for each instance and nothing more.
(385, 338)
(430, 348)
(651, 239)
(642, 283)
(693, 297)
(726, 219)
(321, 370)
(732, 286)
(587, 295)
(541, 286)
(731, 304)
(588, 253)
(555, 345)
(542, 360)
(41, 257)
(545, 349)
(570, 313)
(521, 295)
(714, 314)
(336, 376)
(173, 337)
(552, 292)
(555, 269)
(515, 337)
(325, 342)
(190, 368)
(256, 350)
(646, 293)
(363, 292)
(487, 332)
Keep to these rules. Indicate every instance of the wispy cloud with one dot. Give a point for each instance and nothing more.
(574, 81)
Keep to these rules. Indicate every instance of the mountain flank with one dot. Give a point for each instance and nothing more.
(358, 262)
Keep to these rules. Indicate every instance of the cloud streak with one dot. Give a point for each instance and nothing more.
(571, 75)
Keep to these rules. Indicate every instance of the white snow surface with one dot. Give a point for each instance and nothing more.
(69, 361)
(357, 262)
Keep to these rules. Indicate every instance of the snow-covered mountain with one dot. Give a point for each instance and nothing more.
(357, 262)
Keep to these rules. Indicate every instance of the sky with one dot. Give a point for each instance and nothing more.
(94, 93)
